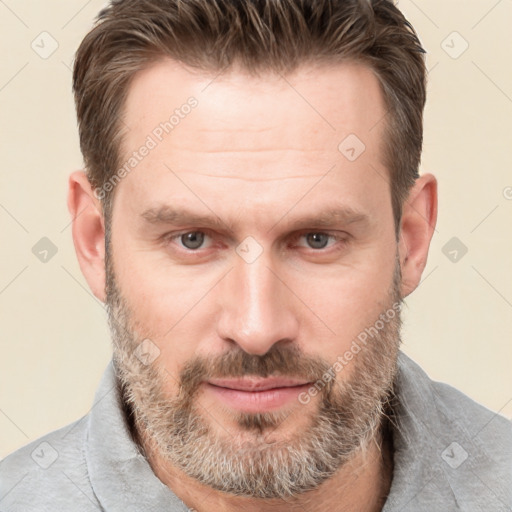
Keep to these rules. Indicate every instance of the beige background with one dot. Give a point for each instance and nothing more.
(53, 332)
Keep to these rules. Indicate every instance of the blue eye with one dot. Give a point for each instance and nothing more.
(317, 240)
(193, 239)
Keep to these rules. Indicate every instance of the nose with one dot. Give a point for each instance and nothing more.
(257, 310)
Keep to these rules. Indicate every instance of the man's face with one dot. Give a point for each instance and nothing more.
(251, 250)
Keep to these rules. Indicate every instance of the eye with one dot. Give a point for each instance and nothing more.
(191, 245)
(317, 240)
(192, 240)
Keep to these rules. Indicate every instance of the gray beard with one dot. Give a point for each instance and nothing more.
(346, 420)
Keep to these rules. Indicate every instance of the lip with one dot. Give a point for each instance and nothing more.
(256, 394)
(257, 384)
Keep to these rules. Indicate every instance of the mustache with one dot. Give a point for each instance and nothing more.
(280, 360)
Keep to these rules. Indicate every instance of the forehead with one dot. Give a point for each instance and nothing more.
(330, 100)
(258, 132)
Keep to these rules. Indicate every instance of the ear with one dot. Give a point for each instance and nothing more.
(417, 226)
(88, 232)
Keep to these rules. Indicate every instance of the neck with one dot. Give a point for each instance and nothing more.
(361, 484)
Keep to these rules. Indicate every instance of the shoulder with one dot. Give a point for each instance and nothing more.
(454, 410)
(473, 417)
(486, 436)
(460, 448)
(48, 473)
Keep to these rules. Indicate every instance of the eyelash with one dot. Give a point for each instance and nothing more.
(170, 237)
(343, 239)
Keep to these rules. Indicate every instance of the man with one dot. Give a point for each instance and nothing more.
(252, 215)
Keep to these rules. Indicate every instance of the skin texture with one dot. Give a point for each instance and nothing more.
(277, 453)
(260, 155)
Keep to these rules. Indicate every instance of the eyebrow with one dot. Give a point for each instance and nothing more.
(177, 216)
(327, 218)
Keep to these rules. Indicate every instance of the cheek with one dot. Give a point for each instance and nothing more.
(159, 292)
(347, 302)
(168, 306)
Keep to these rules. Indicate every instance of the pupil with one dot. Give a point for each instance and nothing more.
(317, 240)
(192, 240)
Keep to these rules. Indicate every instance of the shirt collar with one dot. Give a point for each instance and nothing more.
(121, 477)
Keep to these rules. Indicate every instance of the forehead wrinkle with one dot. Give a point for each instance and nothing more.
(255, 179)
(257, 149)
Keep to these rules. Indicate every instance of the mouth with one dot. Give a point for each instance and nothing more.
(253, 395)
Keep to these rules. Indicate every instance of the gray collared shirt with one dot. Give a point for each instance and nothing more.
(449, 454)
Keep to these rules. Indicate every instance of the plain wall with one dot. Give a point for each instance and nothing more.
(53, 332)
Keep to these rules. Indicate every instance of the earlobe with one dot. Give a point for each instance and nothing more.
(88, 231)
(419, 216)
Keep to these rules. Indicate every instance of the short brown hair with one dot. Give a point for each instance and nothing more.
(261, 35)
